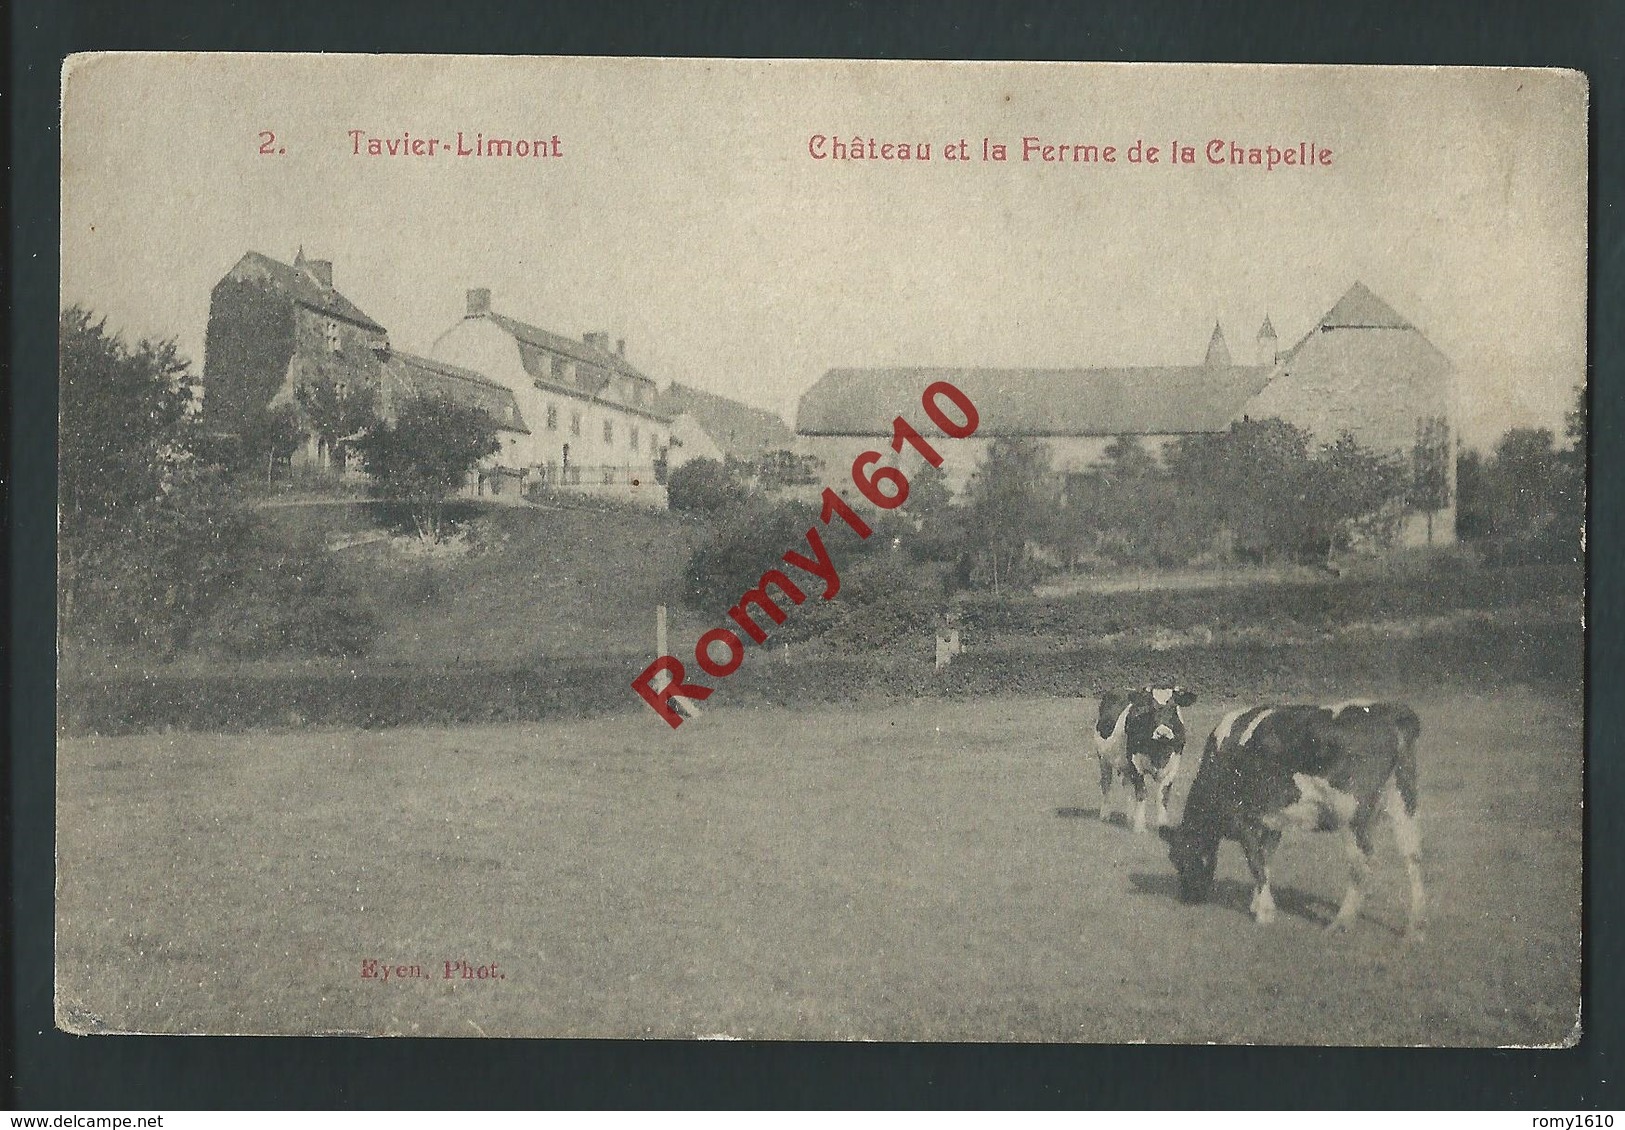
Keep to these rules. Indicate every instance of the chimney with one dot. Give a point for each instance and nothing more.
(479, 301)
(620, 348)
(321, 270)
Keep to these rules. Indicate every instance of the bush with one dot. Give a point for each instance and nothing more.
(196, 571)
(289, 601)
(703, 486)
(884, 598)
(746, 541)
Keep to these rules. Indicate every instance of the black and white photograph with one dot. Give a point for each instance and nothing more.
(821, 550)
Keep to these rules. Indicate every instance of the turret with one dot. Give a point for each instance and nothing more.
(1269, 349)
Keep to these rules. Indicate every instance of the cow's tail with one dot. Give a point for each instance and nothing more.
(1409, 728)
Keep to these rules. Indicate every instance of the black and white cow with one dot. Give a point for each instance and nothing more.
(1320, 768)
(1139, 736)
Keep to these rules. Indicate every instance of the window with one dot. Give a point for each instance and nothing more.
(557, 369)
(632, 438)
(575, 423)
(654, 444)
(331, 329)
(552, 417)
(609, 431)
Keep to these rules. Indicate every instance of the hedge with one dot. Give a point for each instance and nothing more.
(1484, 658)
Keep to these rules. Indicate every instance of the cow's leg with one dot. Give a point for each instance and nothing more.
(1163, 785)
(1357, 844)
(1106, 775)
(1258, 843)
(1409, 838)
(1139, 801)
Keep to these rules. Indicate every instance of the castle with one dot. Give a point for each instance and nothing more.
(572, 415)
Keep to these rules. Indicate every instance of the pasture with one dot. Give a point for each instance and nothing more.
(906, 870)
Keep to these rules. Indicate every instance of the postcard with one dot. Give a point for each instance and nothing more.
(821, 550)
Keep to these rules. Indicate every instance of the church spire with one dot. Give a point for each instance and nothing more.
(1218, 353)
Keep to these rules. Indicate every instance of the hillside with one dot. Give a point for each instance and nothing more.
(538, 583)
(551, 612)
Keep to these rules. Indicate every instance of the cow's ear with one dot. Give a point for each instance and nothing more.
(1183, 697)
(1141, 698)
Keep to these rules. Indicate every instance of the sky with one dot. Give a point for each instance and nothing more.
(687, 215)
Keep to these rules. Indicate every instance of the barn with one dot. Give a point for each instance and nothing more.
(1362, 368)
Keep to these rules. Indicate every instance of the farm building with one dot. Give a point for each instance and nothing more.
(707, 426)
(594, 427)
(571, 414)
(274, 327)
(1362, 369)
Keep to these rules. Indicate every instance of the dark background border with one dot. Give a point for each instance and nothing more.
(46, 1069)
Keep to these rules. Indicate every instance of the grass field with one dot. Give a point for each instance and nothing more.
(919, 870)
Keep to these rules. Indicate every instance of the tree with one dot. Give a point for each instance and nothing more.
(1526, 480)
(267, 439)
(125, 427)
(1350, 492)
(425, 455)
(1474, 506)
(1012, 499)
(1253, 479)
(1143, 518)
(1260, 481)
(1572, 462)
(1128, 462)
(159, 551)
(1430, 468)
(1526, 501)
(703, 486)
(336, 410)
(124, 420)
(938, 526)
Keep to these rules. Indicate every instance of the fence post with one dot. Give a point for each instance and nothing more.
(686, 705)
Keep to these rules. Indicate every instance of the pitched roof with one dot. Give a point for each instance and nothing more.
(409, 375)
(302, 288)
(738, 429)
(1266, 330)
(1358, 309)
(569, 346)
(1166, 400)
